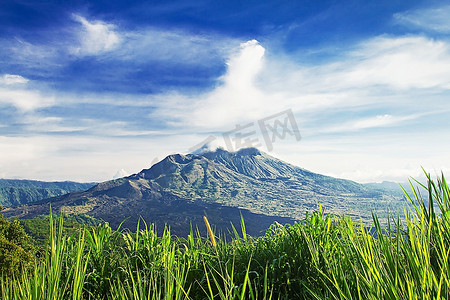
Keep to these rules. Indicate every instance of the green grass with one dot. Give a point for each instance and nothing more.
(38, 228)
(324, 257)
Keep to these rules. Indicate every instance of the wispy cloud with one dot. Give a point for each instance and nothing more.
(401, 63)
(352, 108)
(91, 54)
(435, 19)
(371, 75)
(95, 37)
(180, 46)
(24, 100)
(9, 79)
(383, 62)
(385, 120)
(380, 84)
(36, 123)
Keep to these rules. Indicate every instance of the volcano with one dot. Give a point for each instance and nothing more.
(181, 189)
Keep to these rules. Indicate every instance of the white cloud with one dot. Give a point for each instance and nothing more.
(237, 99)
(39, 59)
(25, 100)
(383, 74)
(378, 121)
(117, 129)
(399, 63)
(244, 66)
(121, 173)
(179, 46)
(378, 71)
(95, 37)
(370, 157)
(81, 158)
(398, 175)
(385, 120)
(380, 65)
(36, 123)
(436, 19)
(10, 79)
(133, 50)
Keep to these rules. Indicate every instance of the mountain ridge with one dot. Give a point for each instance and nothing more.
(180, 189)
(22, 191)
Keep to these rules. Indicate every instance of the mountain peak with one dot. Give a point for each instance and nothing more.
(248, 161)
(207, 150)
(248, 152)
(243, 152)
(180, 189)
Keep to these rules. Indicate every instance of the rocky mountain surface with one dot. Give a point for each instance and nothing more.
(180, 189)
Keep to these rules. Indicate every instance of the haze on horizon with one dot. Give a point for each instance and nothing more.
(96, 89)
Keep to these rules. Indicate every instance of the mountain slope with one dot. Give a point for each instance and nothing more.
(254, 180)
(182, 188)
(16, 192)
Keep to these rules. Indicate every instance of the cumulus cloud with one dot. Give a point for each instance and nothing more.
(95, 37)
(435, 19)
(244, 66)
(236, 99)
(370, 75)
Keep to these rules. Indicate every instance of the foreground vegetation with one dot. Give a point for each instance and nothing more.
(324, 257)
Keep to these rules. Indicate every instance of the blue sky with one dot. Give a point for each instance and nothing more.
(89, 89)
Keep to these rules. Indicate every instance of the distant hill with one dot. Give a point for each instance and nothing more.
(392, 187)
(180, 189)
(16, 192)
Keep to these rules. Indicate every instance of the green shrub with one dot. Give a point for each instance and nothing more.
(16, 249)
